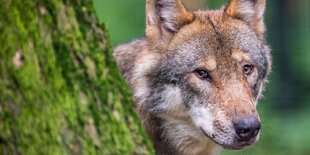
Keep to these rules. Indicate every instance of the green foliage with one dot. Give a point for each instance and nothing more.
(60, 89)
(124, 23)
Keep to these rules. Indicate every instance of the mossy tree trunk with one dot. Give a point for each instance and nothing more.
(60, 89)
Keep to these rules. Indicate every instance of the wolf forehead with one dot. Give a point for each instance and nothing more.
(208, 39)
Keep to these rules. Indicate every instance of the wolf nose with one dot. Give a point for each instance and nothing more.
(247, 128)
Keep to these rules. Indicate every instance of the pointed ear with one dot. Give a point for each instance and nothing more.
(250, 11)
(165, 17)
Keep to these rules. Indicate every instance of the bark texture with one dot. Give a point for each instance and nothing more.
(60, 89)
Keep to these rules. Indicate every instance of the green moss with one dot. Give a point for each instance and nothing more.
(60, 89)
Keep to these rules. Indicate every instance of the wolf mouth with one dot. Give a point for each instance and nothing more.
(235, 146)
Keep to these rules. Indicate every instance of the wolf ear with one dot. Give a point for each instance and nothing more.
(165, 17)
(250, 11)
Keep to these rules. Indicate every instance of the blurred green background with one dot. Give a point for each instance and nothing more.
(285, 109)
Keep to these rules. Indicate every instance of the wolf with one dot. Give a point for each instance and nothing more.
(196, 76)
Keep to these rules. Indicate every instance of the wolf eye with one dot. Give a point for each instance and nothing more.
(202, 74)
(248, 70)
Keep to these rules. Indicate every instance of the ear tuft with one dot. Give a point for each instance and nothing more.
(250, 11)
(165, 17)
(167, 12)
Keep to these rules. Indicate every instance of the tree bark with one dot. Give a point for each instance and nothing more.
(60, 89)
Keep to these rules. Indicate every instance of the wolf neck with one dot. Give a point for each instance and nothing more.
(177, 137)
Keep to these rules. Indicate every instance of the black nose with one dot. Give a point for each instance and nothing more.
(247, 128)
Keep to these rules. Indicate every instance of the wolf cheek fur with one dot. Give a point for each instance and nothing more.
(196, 76)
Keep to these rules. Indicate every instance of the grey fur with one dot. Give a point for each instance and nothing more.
(170, 66)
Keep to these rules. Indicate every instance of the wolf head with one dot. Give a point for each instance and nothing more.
(201, 72)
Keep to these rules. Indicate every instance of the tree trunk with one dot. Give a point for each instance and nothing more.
(60, 89)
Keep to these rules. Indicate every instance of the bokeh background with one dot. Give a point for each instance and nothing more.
(285, 109)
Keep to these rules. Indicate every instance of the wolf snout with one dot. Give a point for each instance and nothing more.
(247, 128)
